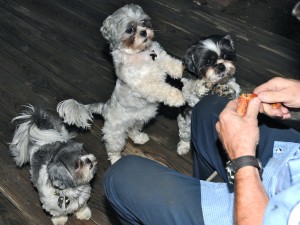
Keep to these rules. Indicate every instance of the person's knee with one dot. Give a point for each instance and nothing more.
(206, 105)
(122, 168)
(121, 172)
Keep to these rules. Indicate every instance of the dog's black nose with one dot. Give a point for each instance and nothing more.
(220, 67)
(143, 33)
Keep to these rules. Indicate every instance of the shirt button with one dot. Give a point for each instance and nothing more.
(278, 150)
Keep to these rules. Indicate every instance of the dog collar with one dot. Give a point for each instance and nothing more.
(62, 200)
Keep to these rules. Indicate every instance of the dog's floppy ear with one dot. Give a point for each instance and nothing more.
(188, 60)
(193, 59)
(60, 176)
(229, 38)
(108, 29)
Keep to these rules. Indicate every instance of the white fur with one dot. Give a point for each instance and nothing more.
(78, 195)
(33, 142)
(209, 44)
(140, 86)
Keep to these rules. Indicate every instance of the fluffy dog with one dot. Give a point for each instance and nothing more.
(59, 167)
(141, 67)
(210, 70)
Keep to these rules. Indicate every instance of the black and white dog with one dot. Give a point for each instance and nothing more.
(210, 70)
(60, 169)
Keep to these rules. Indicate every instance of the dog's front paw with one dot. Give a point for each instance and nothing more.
(208, 85)
(183, 147)
(84, 213)
(175, 98)
(59, 220)
(225, 91)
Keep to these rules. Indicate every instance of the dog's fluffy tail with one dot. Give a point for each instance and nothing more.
(35, 128)
(75, 113)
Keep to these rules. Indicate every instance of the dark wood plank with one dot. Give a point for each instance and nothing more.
(10, 214)
(53, 50)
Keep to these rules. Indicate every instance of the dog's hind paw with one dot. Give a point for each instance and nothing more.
(114, 157)
(138, 137)
(59, 220)
(84, 213)
(183, 147)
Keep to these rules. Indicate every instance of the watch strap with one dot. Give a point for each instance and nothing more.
(247, 160)
(234, 165)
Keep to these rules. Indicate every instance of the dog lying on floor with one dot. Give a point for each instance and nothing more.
(59, 167)
(141, 66)
(210, 70)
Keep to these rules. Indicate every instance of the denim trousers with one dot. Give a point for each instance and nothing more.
(142, 191)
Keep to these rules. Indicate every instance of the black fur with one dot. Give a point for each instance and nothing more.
(198, 58)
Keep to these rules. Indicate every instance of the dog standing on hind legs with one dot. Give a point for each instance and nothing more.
(141, 67)
(210, 70)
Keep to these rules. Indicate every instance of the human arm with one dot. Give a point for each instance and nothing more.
(278, 89)
(240, 136)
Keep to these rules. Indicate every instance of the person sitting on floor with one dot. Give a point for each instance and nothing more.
(144, 192)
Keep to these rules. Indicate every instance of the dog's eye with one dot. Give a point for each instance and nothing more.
(209, 62)
(147, 23)
(228, 56)
(129, 30)
(76, 166)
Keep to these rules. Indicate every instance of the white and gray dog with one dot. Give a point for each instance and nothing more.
(210, 70)
(59, 167)
(141, 67)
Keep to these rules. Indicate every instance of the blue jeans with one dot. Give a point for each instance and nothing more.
(144, 192)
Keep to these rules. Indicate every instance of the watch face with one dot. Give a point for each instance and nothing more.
(230, 172)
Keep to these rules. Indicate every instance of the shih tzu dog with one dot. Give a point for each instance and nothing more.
(59, 167)
(141, 67)
(210, 70)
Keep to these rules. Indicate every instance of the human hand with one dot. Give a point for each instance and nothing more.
(286, 91)
(239, 135)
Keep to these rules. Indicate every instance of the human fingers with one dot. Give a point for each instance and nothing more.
(281, 112)
(275, 84)
(273, 96)
(253, 108)
(232, 105)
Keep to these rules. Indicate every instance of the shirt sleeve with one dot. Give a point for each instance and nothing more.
(284, 208)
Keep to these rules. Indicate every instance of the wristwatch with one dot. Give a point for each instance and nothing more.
(232, 166)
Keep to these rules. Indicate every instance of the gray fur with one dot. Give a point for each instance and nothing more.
(42, 140)
(210, 64)
(141, 67)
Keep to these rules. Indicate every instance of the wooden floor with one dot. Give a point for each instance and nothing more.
(53, 50)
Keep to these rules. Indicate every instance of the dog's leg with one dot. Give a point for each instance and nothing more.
(157, 91)
(59, 220)
(95, 108)
(84, 213)
(136, 135)
(173, 67)
(225, 91)
(184, 125)
(115, 138)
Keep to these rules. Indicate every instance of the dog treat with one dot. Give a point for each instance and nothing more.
(244, 100)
